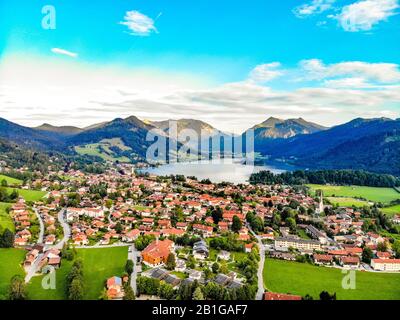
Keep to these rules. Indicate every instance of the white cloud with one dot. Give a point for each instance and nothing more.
(315, 69)
(312, 8)
(70, 92)
(352, 83)
(265, 72)
(138, 23)
(363, 15)
(64, 52)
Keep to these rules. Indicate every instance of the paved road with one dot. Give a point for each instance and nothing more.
(261, 290)
(41, 232)
(32, 270)
(66, 229)
(132, 255)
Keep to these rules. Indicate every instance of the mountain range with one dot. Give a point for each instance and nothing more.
(369, 144)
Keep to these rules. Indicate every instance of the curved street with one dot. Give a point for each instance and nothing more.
(260, 276)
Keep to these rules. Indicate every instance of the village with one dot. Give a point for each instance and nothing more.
(182, 231)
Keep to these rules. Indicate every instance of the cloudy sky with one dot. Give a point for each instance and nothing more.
(230, 63)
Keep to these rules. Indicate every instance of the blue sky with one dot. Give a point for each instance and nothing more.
(207, 48)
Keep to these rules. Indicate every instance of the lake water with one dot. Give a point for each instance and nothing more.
(217, 171)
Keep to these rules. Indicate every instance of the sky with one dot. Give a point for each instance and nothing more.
(230, 63)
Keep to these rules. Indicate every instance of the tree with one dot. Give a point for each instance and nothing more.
(382, 246)
(215, 267)
(7, 239)
(17, 290)
(171, 263)
(396, 248)
(118, 227)
(198, 294)
(367, 255)
(129, 294)
(129, 267)
(236, 224)
(76, 290)
(217, 215)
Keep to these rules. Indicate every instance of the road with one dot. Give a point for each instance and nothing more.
(66, 230)
(132, 255)
(32, 270)
(260, 276)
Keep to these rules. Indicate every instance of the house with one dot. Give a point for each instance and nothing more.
(131, 236)
(396, 219)
(223, 226)
(115, 288)
(386, 264)
(157, 252)
(200, 250)
(50, 239)
(350, 261)
(224, 255)
(322, 259)
(206, 231)
(195, 274)
(248, 247)
(280, 296)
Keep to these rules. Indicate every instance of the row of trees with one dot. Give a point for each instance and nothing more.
(338, 177)
(194, 291)
(75, 286)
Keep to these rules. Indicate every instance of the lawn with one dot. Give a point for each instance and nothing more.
(10, 265)
(106, 154)
(98, 265)
(391, 211)
(29, 195)
(5, 219)
(10, 181)
(348, 202)
(36, 292)
(384, 195)
(301, 279)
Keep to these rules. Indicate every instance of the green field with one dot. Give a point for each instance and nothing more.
(391, 211)
(29, 195)
(348, 202)
(301, 279)
(106, 153)
(98, 264)
(10, 265)
(384, 195)
(10, 181)
(5, 219)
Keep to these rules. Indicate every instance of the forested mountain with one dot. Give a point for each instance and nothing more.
(369, 144)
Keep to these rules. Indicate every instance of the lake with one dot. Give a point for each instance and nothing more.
(217, 171)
